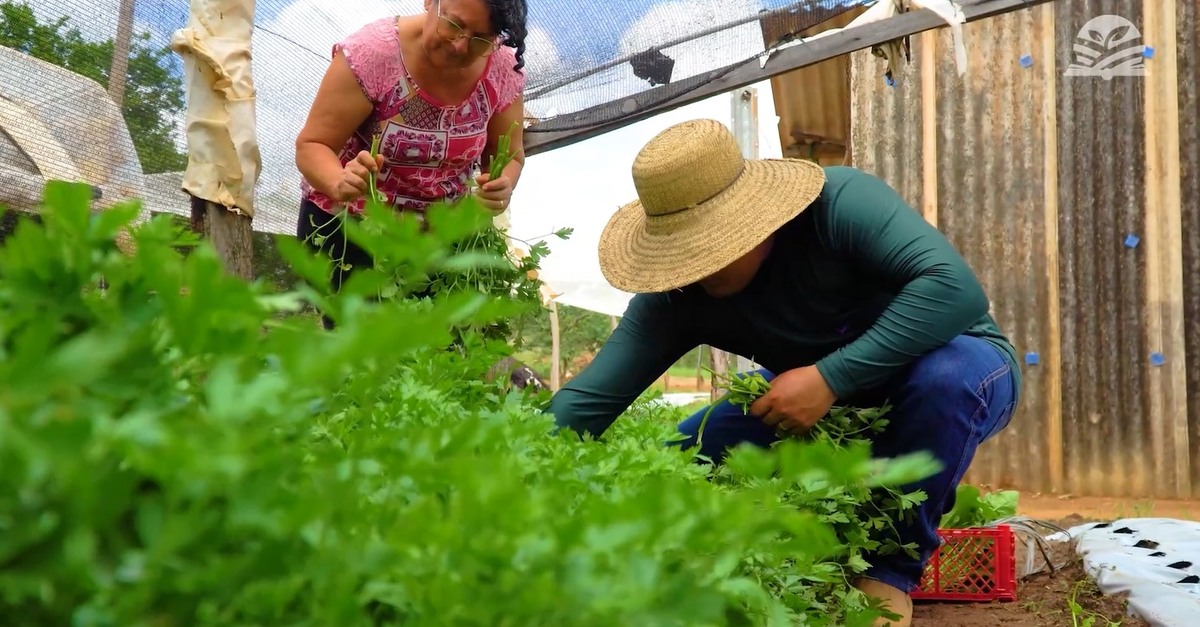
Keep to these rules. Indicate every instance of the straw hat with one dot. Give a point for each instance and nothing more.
(701, 206)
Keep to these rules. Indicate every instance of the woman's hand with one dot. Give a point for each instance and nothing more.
(494, 195)
(355, 176)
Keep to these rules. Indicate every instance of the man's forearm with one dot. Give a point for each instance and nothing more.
(647, 341)
(584, 413)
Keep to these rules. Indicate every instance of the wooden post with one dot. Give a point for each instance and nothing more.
(1163, 249)
(744, 120)
(929, 126)
(1052, 371)
(118, 69)
(230, 233)
(719, 363)
(555, 349)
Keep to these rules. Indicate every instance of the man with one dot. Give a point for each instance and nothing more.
(829, 280)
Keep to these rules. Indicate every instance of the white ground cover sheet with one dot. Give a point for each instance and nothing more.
(1156, 561)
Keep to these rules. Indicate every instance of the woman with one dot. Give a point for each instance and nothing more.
(439, 89)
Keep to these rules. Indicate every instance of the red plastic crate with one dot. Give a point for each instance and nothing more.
(976, 564)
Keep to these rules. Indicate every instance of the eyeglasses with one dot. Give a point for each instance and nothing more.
(450, 31)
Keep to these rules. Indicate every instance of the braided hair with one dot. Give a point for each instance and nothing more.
(508, 21)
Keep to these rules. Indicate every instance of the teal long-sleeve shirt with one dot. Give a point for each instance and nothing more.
(859, 284)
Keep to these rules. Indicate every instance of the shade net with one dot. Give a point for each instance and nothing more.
(586, 63)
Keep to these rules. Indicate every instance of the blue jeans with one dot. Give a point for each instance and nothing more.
(948, 402)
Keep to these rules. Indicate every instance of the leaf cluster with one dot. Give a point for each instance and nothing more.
(181, 447)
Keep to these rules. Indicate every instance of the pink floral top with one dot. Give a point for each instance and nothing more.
(429, 148)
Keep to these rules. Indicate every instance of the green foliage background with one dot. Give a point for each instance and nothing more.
(181, 448)
(154, 98)
(184, 448)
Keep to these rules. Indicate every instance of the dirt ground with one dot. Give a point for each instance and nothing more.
(1044, 600)
(1051, 507)
(682, 384)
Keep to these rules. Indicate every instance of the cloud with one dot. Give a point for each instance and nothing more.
(541, 55)
(96, 20)
(679, 19)
(666, 21)
(582, 185)
(290, 55)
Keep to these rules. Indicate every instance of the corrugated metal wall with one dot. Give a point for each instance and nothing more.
(1039, 178)
(889, 143)
(990, 180)
(1101, 194)
(1188, 25)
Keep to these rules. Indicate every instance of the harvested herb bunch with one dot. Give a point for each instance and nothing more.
(489, 241)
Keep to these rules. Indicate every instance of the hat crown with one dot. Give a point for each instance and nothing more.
(685, 165)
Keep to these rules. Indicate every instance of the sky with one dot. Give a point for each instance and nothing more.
(577, 186)
(582, 185)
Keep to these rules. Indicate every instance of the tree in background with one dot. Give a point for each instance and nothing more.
(581, 332)
(153, 97)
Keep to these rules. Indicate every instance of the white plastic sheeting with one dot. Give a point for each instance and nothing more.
(683, 399)
(56, 124)
(1156, 561)
(582, 185)
(223, 153)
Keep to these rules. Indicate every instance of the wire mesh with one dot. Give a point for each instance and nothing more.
(58, 117)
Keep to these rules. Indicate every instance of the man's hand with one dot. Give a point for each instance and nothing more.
(797, 399)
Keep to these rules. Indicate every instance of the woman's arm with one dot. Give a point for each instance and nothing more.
(339, 108)
(511, 120)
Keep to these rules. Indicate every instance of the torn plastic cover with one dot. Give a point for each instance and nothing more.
(1156, 561)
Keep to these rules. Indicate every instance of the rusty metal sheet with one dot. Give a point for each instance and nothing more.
(990, 204)
(1101, 140)
(1048, 235)
(1188, 68)
(885, 132)
(814, 121)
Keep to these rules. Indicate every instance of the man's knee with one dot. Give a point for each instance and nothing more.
(945, 370)
(959, 372)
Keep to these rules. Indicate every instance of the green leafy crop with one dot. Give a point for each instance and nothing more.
(181, 447)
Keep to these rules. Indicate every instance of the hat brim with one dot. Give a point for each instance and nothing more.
(641, 254)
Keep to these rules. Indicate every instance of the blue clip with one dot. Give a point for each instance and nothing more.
(1132, 240)
(890, 81)
(1026, 61)
(1031, 359)
(1157, 359)
(1148, 52)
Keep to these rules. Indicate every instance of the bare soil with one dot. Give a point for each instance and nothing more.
(1043, 600)
(682, 384)
(1089, 508)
